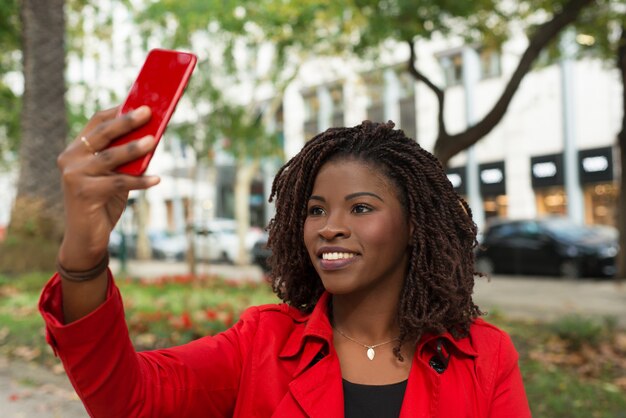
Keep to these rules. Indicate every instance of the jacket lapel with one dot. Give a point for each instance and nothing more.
(423, 391)
(318, 390)
(316, 386)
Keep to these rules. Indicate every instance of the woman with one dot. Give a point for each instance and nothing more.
(372, 257)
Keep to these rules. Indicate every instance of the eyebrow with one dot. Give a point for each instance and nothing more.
(349, 197)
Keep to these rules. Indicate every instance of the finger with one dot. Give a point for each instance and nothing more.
(98, 118)
(112, 128)
(125, 183)
(111, 158)
(82, 144)
(103, 189)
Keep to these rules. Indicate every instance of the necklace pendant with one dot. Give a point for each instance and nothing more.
(370, 353)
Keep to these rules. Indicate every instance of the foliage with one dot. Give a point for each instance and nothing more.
(600, 26)
(238, 114)
(173, 310)
(565, 375)
(577, 330)
(9, 62)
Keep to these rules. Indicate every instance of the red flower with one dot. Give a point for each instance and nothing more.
(211, 315)
(186, 320)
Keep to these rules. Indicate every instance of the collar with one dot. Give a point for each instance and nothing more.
(317, 328)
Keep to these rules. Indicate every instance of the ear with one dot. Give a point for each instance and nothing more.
(411, 232)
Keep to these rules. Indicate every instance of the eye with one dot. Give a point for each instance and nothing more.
(361, 208)
(315, 211)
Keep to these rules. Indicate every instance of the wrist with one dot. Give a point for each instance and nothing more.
(83, 275)
(79, 257)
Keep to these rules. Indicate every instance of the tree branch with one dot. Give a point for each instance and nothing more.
(447, 146)
(438, 92)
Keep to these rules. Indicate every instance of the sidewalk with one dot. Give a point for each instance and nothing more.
(549, 298)
(151, 268)
(29, 390)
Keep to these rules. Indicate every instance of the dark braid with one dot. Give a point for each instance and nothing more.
(437, 291)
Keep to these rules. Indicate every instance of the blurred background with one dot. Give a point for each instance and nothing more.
(530, 127)
(522, 102)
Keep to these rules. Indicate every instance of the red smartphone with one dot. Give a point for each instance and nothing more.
(159, 85)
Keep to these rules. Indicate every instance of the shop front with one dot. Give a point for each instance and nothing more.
(600, 190)
(547, 179)
(492, 177)
(457, 176)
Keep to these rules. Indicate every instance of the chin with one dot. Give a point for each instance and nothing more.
(339, 286)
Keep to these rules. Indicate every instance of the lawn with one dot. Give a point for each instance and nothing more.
(573, 367)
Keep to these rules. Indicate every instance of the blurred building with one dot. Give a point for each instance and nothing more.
(565, 112)
(520, 167)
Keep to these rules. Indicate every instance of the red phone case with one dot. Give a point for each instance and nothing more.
(159, 85)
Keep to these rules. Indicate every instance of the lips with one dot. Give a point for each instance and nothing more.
(333, 258)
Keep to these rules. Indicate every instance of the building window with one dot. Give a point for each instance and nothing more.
(489, 63)
(408, 110)
(311, 114)
(452, 65)
(336, 96)
(601, 204)
(375, 85)
(551, 201)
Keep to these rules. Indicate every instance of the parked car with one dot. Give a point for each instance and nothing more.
(218, 240)
(168, 245)
(260, 253)
(551, 246)
(115, 244)
(164, 245)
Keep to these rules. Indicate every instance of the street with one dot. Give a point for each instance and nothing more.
(27, 390)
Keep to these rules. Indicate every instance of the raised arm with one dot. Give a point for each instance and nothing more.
(95, 197)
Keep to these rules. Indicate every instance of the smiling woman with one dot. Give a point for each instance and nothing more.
(372, 256)
(356, 231)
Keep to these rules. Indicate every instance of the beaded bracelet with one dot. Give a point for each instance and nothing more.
(84, 275)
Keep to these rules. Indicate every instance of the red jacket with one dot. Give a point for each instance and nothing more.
(267, 365)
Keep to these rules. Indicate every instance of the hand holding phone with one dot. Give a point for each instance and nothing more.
(159, 85)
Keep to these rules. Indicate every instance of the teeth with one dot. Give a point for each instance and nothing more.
(337, 256)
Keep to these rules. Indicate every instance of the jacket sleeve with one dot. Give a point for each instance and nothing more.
(509, 397)
(197, 379)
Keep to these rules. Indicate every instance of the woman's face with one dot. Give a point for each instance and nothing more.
(356, 230)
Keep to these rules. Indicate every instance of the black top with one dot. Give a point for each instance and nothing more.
(372, 401)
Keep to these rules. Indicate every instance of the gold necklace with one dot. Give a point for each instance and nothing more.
(370, 348)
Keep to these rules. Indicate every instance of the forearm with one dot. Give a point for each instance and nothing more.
(80, 299)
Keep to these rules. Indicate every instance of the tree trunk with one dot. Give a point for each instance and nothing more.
(190, 225)
(621, 140)
(246, 170)
(36, 225)
(142, 214)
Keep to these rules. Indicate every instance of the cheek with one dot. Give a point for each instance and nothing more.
(308, 234)
(390, 234)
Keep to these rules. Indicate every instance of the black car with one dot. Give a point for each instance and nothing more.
(260, 252)
(551, 246)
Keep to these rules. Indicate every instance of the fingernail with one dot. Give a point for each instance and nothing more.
(141, 111)
(147, 140)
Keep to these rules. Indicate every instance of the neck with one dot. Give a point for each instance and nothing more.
(370, 319)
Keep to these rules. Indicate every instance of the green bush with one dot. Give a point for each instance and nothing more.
(577, 330)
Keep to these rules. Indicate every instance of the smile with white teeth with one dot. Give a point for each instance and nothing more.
(337, 256)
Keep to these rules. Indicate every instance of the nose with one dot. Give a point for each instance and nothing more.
(334, 228)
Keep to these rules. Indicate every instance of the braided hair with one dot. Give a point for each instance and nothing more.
(437, 291)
